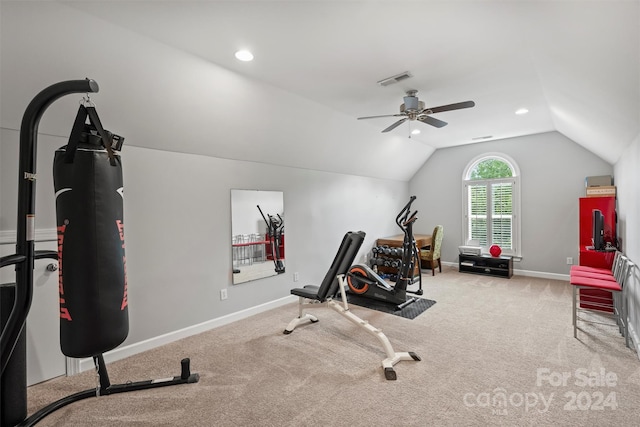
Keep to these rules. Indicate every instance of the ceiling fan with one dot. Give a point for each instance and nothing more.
(413, 109)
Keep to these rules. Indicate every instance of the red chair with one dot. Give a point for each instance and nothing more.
(588, 269)
(600, 276)
(604, 307)
(586, 296)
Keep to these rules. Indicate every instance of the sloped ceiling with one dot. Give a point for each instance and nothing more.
(573, 64)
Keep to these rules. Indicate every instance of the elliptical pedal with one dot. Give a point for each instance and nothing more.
(408, 302)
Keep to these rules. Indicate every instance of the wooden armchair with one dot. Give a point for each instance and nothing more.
(431, 255)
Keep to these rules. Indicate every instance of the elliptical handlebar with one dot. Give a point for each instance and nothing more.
(403, 217)
(411, 219)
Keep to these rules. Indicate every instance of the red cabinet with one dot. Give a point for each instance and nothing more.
(590, 257)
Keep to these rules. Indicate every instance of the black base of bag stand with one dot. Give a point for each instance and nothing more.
(106, 388)
(13, 395)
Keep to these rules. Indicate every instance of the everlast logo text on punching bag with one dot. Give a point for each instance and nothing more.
(124, 263)
(64, 311)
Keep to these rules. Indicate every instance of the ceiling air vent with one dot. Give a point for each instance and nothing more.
(394, 79)
(482, 138)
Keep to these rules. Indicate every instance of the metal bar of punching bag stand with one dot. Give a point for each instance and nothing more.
(106, 388)
(25, 252)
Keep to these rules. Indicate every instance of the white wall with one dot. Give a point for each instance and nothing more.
(553, 169)
(627, 180)
(178, 229)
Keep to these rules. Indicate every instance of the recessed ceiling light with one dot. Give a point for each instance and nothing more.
(244, 55)
(521, 111)
(415, 132)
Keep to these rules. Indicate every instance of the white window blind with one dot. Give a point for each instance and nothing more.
(490, 214)
(477, 215)
(502, 214)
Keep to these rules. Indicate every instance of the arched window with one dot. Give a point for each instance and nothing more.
(491, 193)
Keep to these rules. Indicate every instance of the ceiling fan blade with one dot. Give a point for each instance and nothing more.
(432, 121)
(456, 106)
(396, 124)
(377, 117)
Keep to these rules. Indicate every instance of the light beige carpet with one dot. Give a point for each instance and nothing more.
(494, 352)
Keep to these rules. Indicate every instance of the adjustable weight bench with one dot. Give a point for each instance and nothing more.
(312, 296)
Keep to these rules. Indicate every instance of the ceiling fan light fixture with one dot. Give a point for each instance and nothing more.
(413, 109)
(244, 55)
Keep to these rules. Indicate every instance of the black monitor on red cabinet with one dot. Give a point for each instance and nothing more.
(598, 230)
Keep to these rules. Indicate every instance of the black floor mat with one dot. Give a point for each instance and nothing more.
(409, 312)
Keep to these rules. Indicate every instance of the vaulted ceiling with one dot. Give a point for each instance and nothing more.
(573, 64)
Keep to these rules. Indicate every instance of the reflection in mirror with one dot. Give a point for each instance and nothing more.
(257, 234)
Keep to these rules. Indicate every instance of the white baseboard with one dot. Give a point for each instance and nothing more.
(75, 366)
(539, 274)
(542, 275)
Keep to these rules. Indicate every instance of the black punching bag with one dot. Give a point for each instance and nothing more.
(87, 176)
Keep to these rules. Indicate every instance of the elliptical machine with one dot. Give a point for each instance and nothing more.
(275, 226)
(363, 281)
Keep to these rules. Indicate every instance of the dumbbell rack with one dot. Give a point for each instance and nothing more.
(386, 260)
(394, 249)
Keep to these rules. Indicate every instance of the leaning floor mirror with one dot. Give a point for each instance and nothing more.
(257, 234)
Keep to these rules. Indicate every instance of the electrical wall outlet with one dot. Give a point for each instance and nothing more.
(569, 260)
(223, 294)
(295, 276)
